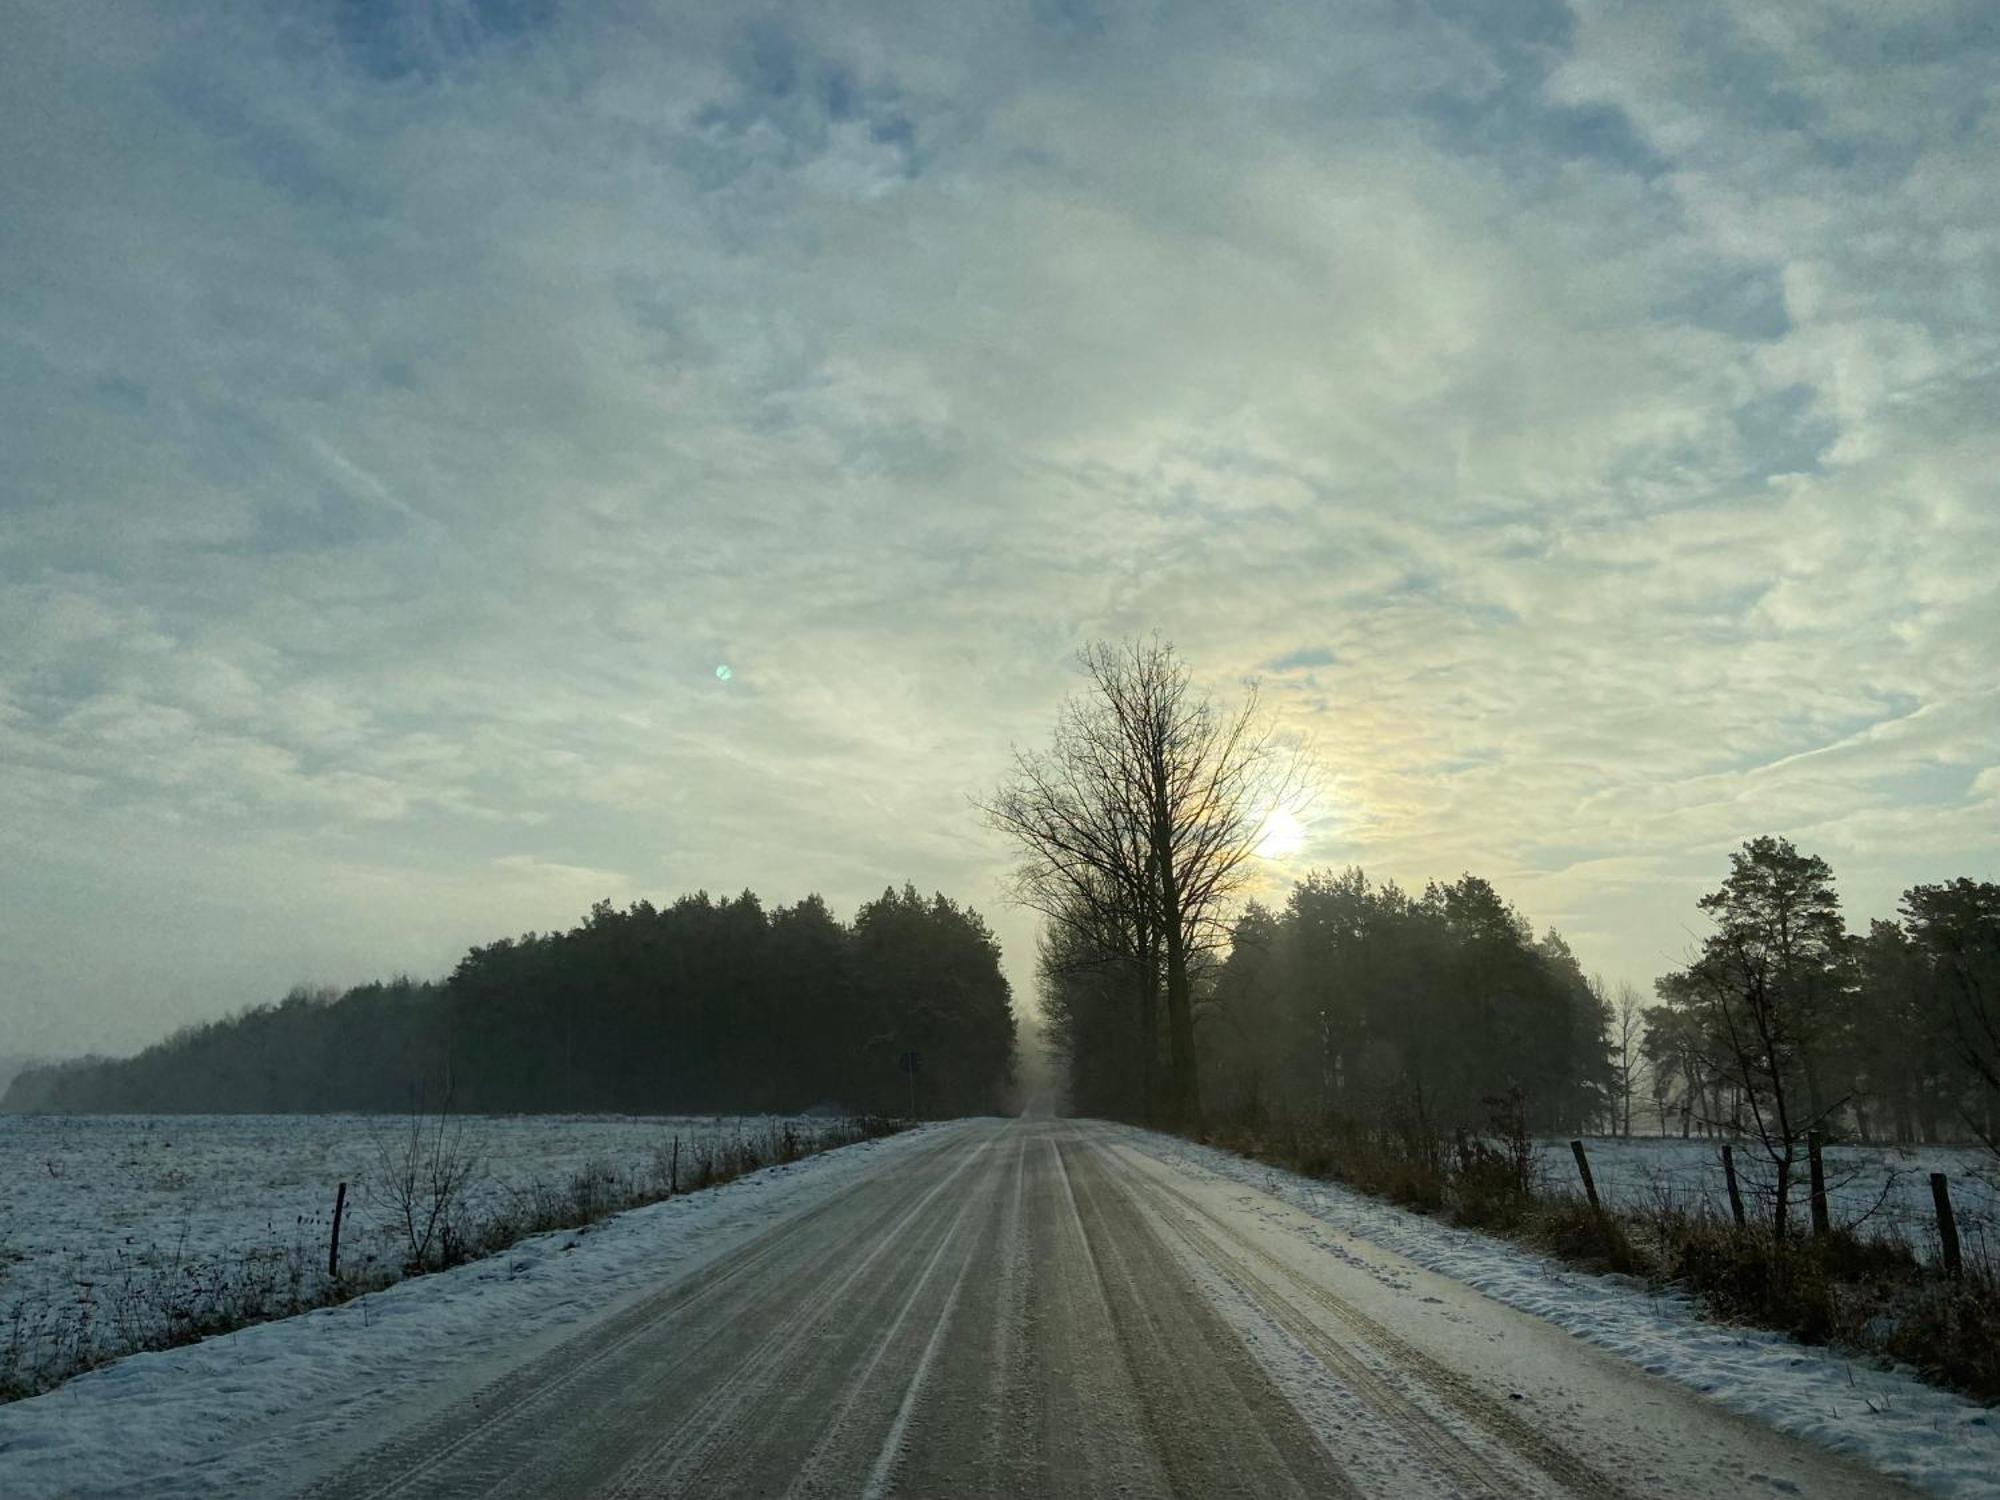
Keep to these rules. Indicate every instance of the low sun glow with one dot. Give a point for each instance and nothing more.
(1283, 835)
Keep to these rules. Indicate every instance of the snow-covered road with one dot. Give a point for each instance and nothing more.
(985, 1308)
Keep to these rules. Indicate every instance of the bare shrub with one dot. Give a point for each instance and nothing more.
(419, 1186)
(1494, 1178)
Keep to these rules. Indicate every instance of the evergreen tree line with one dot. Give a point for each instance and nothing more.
(1355, 1001)
(315, 1050)
(1785, 1023)
(698, 1006)
(1364, 1003)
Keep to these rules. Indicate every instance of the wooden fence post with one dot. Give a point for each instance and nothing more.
(333, 1247)
(1735, 1191)
(1947, 1224)
(1814, 1141)
(1589, 1184)
(674, 1170)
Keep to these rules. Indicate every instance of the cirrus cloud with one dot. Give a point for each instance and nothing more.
(1583, 416)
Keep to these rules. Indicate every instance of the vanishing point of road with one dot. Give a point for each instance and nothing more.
(1034, 1307)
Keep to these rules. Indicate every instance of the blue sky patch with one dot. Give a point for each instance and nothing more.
(1303, 659)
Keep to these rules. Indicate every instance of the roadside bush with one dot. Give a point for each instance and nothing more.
(1569, 1229)
(1741, 1275)
(1951, 1330)
(1493, 1182)
(592, 1192)
(1391, 1164)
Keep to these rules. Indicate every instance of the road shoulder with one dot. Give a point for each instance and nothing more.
(1504, 1314)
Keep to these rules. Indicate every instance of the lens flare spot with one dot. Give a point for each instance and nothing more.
(723, 674)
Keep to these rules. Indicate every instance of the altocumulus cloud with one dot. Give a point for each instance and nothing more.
(1583, 415)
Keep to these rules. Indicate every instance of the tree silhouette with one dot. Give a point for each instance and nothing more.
(702, 1005)
(1135, 825)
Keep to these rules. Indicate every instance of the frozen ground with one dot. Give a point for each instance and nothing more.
(104, 1216)
(1879, 1191)
(989, 1307)
(235, 1416)
(1888, 1418)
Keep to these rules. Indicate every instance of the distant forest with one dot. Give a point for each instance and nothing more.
(700, 1006)
(1359, 1001)
(1171, 998)
(1367, 999)
(1363, 1003)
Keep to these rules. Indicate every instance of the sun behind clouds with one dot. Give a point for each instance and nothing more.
(1283, 836)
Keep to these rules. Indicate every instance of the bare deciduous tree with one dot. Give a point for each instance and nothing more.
(1139, 820)
(1086, 866)
(1628, 1029)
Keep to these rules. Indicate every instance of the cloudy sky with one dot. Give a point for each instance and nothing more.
(1584, 420)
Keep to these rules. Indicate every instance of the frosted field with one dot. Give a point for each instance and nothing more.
(1879, 1191)
(105, 1219)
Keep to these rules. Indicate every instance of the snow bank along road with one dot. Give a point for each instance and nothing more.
(980, 1308)
(1033, 1308)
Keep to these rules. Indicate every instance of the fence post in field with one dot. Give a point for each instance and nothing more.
(1589, 1183)
(1735, 1191)
(1947, 1224)
(333, 1248)
(1814, 1141)
(674, 1169)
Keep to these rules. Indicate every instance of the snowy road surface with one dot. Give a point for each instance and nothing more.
(1035, 1308)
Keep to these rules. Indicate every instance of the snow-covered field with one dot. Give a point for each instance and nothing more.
(104, 1217)
(1881, 1192)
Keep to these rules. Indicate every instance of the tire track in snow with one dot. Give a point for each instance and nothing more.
(416, 1456)
(1514, 1433)
(409, 1463)
(1213, 1412)
(696, 1446)
(892, 1444)
(1030, 1308)
(811, 1471)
